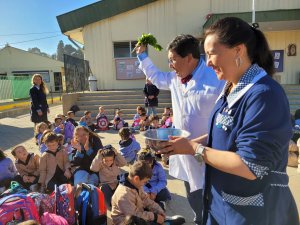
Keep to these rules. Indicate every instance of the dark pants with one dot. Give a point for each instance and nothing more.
(195, 200)
(163, 195)
(26, 185)
(58, 179)
(5, 182)
(108, 193)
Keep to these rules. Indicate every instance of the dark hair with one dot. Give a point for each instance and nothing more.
(146, 155)
(185, 44)
(50, 137)
(140, 169)
(108, 152)
(232, 31)
(124, 133)
(152, 118)
(2, 154)
(143, 114)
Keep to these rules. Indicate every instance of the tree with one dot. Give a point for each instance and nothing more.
(36, 50)
(60, 51)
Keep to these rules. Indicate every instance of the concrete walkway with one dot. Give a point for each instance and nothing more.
(19, 130)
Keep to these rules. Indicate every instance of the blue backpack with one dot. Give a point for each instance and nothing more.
(89, 205)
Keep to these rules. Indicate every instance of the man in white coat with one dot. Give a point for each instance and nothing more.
(194, 89)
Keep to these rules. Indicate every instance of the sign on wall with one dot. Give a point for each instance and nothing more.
(127, 69)
(278, 60)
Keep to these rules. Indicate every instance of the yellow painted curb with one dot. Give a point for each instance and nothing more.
(24, 104)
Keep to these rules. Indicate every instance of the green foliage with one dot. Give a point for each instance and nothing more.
(149, 39)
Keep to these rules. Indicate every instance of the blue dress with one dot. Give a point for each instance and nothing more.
(254, 122)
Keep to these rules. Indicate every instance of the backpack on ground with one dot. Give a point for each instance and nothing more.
(90, 205)
(102, 122)
(53, 219)
(43, 202)
(17, 208)
(64, 199)
(74, 108)
(14, 188)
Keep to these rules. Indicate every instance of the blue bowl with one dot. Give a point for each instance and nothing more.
(156, 136)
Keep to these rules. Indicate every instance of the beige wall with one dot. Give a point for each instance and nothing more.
(229, 6)
(280, 40)
(166, 19)
(12, 59)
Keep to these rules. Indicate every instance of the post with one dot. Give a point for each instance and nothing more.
(253, 11)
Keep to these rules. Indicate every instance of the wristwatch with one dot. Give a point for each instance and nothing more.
(199, 153)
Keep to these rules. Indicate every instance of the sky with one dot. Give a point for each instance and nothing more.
(35, 19)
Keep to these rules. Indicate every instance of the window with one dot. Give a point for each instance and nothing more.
(123, 49)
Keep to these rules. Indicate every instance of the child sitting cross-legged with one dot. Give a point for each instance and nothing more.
(129, 147)
(130, 200)
(156, 187)
(108, 162)
(27, 165)
(54, 164)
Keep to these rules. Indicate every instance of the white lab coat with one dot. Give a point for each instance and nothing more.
(192, 104)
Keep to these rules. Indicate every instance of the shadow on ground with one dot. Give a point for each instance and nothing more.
(11, 135)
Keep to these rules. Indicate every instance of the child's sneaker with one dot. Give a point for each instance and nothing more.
(174, 220)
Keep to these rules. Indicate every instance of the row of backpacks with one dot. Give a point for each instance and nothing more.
(83, 205)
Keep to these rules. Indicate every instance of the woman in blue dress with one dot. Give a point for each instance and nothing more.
(246, 149)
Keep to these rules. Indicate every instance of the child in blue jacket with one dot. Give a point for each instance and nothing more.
(156, 187)
(129, 147)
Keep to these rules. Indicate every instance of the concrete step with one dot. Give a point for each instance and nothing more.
(119, 102)
(116, 97)
(123, 106)
(120, 92)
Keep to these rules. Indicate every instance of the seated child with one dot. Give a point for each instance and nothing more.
(167, 122)
(128, 146)
(58, 126)
(136, 118)
(144, 122)
(129, 198)
(107, 163)
(156, 187)
(167, 111)
(42, 146)
(8, 171)
(154, 122)
(86, 145)
(102, 121)
(54, 164)
(70, 118)
(27, 165)
(40, 128)
(87, 121)
(119, 122)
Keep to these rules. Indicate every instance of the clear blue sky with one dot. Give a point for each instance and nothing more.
(35, 16)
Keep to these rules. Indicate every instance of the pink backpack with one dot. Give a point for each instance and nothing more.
(43, 202)
(52, 219)
(17, 208)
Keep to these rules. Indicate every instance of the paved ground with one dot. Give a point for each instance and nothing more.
(19, 130)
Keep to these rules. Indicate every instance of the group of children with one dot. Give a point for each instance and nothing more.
(141, 121)
(82, 158)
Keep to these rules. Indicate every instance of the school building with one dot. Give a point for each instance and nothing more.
(17, 67)
(108, 29)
